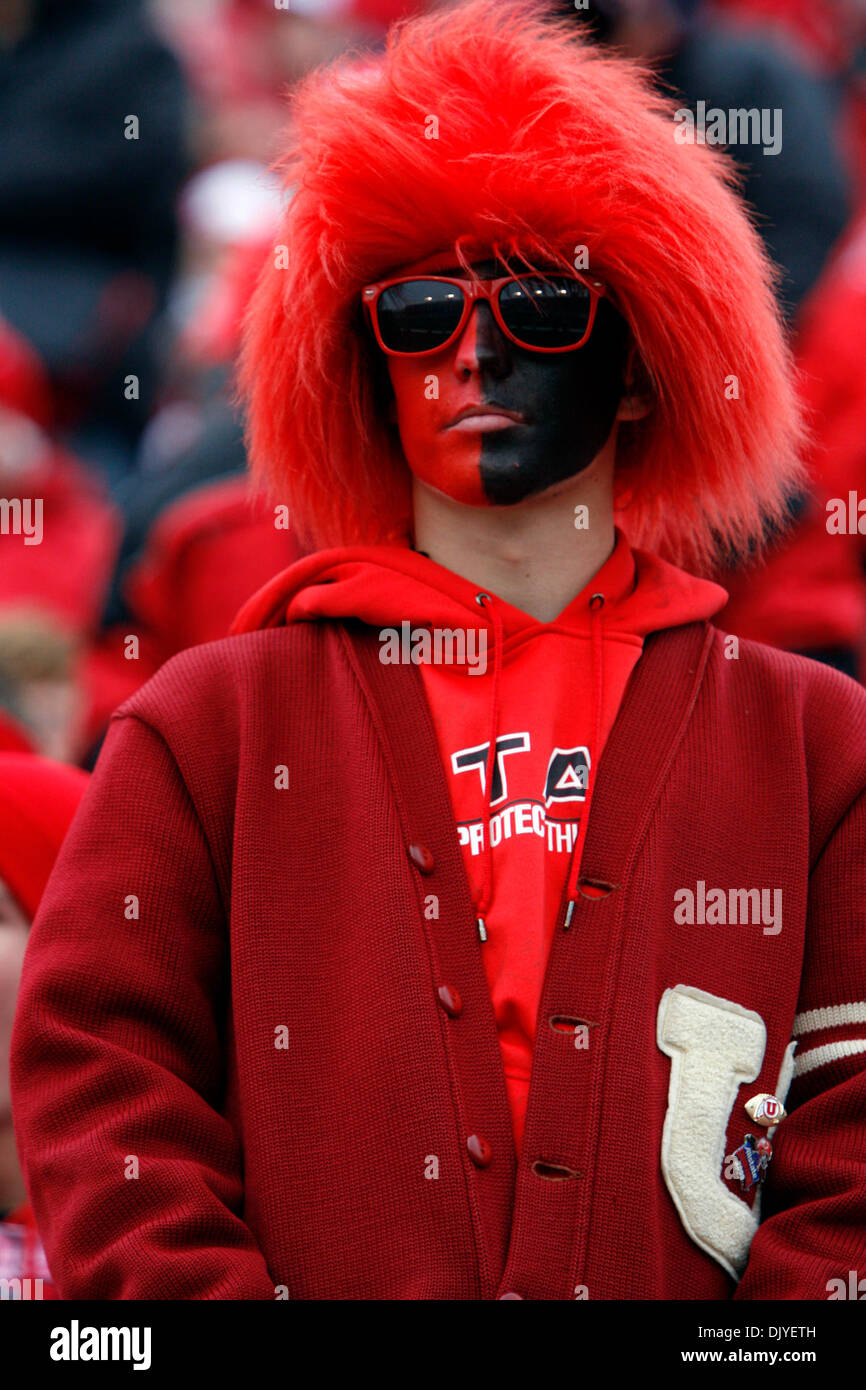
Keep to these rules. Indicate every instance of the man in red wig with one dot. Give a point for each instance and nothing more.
(300, 1037)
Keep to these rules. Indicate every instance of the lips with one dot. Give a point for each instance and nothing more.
(488, 416)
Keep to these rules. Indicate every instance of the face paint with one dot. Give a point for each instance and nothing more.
(548, 414)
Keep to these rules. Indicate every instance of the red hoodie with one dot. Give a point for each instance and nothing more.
(521, 721)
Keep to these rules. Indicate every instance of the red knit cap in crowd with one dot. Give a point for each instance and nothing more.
(38, 799)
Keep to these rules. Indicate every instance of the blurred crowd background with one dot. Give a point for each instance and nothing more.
(136, 206)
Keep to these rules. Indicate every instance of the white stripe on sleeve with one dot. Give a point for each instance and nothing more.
(830, 1052)
(835, 1017)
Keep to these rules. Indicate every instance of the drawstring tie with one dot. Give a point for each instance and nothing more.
(483, 905)
(596, 604)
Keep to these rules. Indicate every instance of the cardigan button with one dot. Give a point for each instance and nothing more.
(479, 1150)
(450, 1000)
(510, 1294)
(421, 858)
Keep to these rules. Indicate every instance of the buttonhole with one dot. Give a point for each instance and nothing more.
(595, 888)
(564, 1023)
(553, 1172)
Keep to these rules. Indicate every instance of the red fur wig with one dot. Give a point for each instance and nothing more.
(543, 141)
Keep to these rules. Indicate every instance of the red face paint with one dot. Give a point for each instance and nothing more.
(430, 393)
(549, 414)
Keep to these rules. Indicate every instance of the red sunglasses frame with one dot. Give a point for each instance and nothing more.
(474, 290)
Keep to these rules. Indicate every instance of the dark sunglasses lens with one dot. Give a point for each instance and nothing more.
(549, 313)
(418, 315)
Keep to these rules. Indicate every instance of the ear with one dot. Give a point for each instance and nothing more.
(634, 407)
(638, 398)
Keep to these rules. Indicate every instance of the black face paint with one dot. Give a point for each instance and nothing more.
(568, 399)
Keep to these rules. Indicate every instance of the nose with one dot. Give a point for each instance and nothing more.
(482, 346)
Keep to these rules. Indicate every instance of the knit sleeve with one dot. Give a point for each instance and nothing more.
(118, 1053)
(812, 1239)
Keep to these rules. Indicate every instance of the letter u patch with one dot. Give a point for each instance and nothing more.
(715, 1046)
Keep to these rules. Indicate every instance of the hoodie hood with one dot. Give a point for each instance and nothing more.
(387, 585)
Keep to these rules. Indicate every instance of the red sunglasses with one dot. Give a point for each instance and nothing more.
(413, 315)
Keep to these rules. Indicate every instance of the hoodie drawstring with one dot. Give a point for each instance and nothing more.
(596, 629)
(483, 905)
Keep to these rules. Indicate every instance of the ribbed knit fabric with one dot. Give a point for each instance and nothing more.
(232, 1070)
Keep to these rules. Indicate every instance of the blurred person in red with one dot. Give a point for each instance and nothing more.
(13, 738)
(38, 800)
(827, 30)
(809, 594)
(199, 538)
(832, 34)
(241, 55)
(57, 546)
(796, 181)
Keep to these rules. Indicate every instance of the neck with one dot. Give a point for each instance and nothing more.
(532, 554)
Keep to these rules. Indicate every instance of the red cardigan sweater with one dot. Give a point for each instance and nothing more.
(251, 1062)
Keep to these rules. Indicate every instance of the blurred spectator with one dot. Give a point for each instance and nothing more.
(58, 538)
(13, 737)
(40, 669)
(206, 552)
(833, 33)
(38, 800)
(243, 55)
(92, 106)
(801, 194)
(198, 541)
(810, 596)
(230, 213)
(827, 30)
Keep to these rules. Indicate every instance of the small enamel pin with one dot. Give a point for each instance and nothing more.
(753, 1157)
(765, 1110)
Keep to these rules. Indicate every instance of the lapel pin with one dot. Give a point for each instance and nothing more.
(765, 1110)
(753, 1158)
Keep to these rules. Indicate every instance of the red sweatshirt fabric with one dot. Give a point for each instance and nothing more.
(520, 722)
(242, 988)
